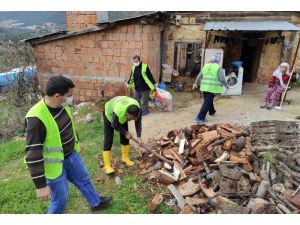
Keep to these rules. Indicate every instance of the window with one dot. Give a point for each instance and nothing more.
(187, 58)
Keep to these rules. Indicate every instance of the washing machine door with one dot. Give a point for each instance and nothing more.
(232, 80)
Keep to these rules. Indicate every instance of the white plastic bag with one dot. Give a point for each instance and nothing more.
(164, 100)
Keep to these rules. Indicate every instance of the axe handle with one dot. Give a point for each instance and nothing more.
(154, 153)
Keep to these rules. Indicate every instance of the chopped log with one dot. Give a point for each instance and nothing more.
(222, 158)
(157, 199)
(189, 188)
(195, 201)
(186, 210)
(295, 200)
(181, 146)
(263, 189)
(177, 195)
(182, 173)
(264, 148)
(209, 136)
(238, 144)
(195, 142)
(227, 144)
(283, 208)
(165, 143)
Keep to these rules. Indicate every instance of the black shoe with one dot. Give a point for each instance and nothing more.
(104, 202)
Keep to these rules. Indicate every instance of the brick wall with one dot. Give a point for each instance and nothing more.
(77, 20)
(99, 60)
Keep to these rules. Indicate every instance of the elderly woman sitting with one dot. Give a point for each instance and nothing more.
(276, 86)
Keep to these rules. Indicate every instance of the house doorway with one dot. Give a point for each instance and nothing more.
(250, 55)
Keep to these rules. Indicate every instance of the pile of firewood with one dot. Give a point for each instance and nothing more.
(226, 169)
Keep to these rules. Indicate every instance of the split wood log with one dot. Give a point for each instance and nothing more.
(157, 199)
(189, 188)
(238, 144)
(186, 210)
(177, 195)
(264, 148)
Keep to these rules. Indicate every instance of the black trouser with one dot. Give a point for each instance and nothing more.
(207, 106)
(109, 134)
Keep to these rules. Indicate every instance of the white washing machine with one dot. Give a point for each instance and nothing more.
(234, 81)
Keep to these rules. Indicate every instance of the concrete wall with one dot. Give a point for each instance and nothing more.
(100, 60)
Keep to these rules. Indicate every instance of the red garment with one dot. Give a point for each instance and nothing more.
(285, 79)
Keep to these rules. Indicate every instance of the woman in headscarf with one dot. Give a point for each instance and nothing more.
(276, 86)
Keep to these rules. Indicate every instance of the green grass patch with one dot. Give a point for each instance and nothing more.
(18, 193)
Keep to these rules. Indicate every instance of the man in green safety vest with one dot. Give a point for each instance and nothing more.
(212, 80)
(142, 82)
(52, 149)
(118, 111)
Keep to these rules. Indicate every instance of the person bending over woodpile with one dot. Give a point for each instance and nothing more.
(276, 86)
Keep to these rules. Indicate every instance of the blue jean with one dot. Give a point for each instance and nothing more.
(207, 106)
(75, 172)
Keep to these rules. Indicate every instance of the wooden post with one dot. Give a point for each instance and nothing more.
(294, 64)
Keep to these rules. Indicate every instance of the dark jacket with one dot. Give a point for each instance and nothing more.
(139, 82)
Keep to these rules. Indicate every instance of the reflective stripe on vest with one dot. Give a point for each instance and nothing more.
(119, 105)
(53, 160)
(46, 149)
(144, 75)
(210, 80)
(52, 147)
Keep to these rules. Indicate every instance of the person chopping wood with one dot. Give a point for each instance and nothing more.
(276, 86)
(52, 149)
(212, 79)
(142, 82)
(118, 111)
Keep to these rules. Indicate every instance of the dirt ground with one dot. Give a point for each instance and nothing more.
(242, 109)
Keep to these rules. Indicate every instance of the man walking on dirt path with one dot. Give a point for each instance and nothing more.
(142, 82)
(212, 80)
(52, 149)
(118, 111)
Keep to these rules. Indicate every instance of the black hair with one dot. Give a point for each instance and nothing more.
(137, 57)
(58, 85)
(133, 110)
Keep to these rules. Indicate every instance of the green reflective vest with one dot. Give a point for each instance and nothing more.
(119, 105)
(210, 80)
(52, 147)
(144, 75)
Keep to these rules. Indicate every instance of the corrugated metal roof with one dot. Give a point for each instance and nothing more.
(251, 26)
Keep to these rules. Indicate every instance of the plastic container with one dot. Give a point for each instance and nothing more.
(238, 64)
(162, 86)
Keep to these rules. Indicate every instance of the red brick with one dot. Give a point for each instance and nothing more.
(138, 29)
(118, 44)
(88, 92)
(124, 52)
(104, 44)
(111, 44)
(123, 36)
(94, 93)
(138, 45)
(117, 52)
(130, 28)
(137, 37)
(82, 98)
(131, 44)
(146, 29)
(124, 29)
(110, 52)
(116, 36)
(129, 36)
(124, 44)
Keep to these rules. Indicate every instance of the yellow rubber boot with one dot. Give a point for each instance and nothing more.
(125, 155)
(107, 162)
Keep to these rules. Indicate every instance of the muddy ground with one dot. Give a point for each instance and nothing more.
(242, 109)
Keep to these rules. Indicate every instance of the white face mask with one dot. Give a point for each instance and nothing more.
(136, 64)
(69, 101)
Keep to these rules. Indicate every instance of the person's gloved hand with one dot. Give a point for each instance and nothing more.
(195, 86)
